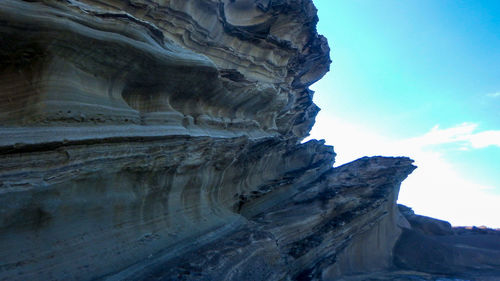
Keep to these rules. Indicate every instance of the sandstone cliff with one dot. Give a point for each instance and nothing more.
(161, 140)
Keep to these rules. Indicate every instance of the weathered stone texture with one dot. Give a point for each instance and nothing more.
(161, 140)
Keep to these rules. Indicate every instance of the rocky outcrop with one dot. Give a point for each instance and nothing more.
(433, 246)
(189, 66)
(161, 140)
(431, 249)
(300, 232)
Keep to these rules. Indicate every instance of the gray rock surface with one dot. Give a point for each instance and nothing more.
(161, 140)
(433, 246)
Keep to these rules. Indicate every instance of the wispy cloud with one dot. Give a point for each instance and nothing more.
(465, 134)
(493, 95)
(436, 188)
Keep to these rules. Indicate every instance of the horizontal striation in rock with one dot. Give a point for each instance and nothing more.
(161, 140)
(111, 63)
(128, 200)
(134, 132)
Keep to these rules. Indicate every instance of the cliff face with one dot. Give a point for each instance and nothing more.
(160, 140)
(230, 67)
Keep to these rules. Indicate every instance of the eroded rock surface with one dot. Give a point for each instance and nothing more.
(433, 246)
(161, 140)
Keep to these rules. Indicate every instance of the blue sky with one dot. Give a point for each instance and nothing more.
(419, 78)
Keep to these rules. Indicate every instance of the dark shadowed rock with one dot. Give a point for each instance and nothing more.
(432, 246)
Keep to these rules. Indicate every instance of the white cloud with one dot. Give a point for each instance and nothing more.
(484, 139)
(464, 134)
(494, 95)
(435, 188)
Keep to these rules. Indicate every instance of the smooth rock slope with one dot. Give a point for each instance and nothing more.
(161, 140)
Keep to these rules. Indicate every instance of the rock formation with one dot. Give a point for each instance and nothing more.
(161, 140)
(472, 253)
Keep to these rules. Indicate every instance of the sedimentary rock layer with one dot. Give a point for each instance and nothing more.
(161, 140)
(136, 131)
(182, 64)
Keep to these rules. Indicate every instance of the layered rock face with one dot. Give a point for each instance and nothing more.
(161, 140)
